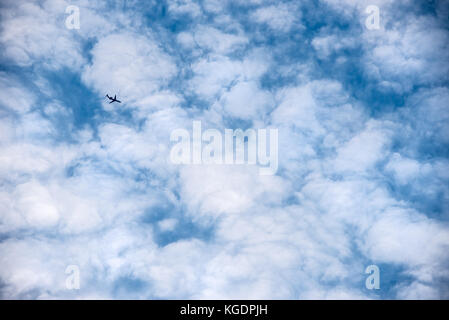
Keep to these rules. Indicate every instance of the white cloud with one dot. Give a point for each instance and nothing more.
(225, 71)
(407, 53)
(129, 65)
(103, 199)
(279, 17)
(33, 32)
(329, 44)
(400, 236)
(246, 101)
(231, 189)
(167, 224)
(406, 170)
(184, 7)
(297, 107)
(16, 97)
(36, 205)
(212, 39)
(364, 150)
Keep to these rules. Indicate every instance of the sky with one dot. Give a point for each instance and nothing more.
(363, 149)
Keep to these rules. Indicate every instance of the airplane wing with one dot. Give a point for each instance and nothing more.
(111, 101)
(118, 101)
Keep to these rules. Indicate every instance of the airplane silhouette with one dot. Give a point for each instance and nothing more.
(113, 99)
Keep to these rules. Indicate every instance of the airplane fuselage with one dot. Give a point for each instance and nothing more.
(113, 99)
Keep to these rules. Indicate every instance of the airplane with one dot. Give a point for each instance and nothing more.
(113, 99)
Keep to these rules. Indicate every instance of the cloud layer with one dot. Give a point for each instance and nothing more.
(363, 170)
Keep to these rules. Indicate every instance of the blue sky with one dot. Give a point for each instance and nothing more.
(363, 175)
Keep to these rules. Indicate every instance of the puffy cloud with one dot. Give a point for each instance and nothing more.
(209, 85)
(189, 7)
(16, 97)
(364, 150)
(279, 17)
(212, 39)
(406, 170)
(414, 44)
(129, 65)
(329, 44)
(246, 101)
(35, 33)
(228, 189)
